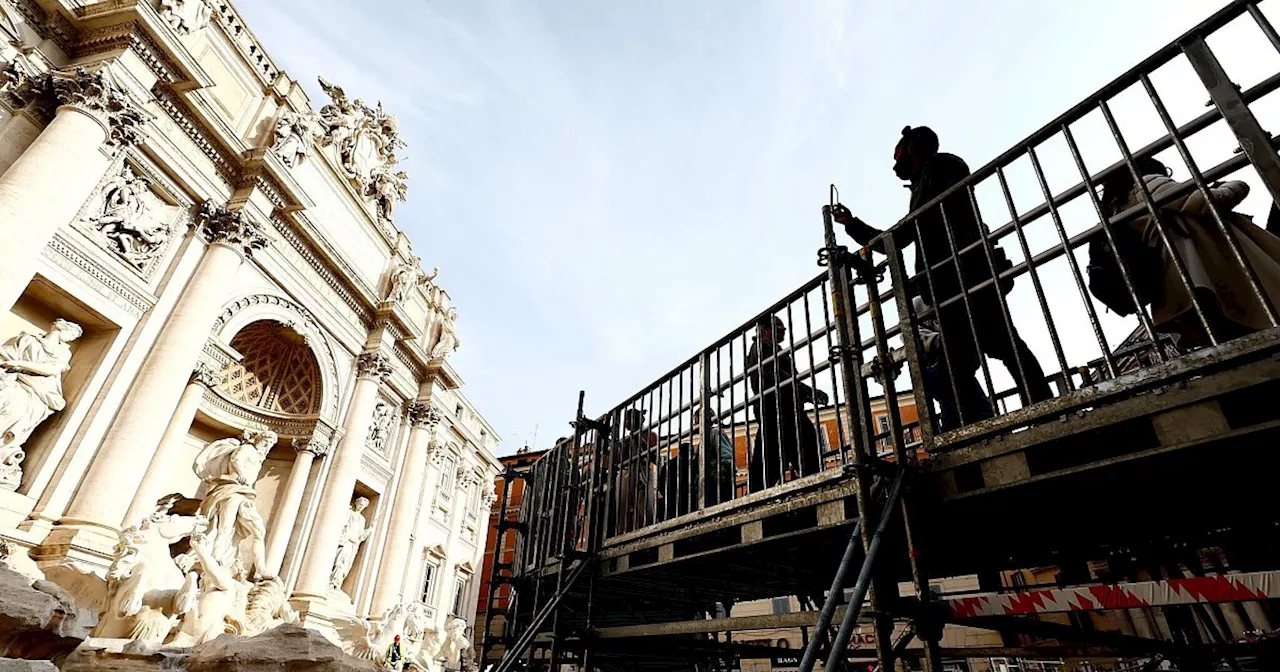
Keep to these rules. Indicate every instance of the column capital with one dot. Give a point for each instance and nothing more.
(204, 374)
(422, 415)
(233, 228)
(373, 365)
(313, 445)
(95, 91)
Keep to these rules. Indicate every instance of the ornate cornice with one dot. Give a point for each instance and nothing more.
(53, 27)
(373, 365)
(245, 42)
(180, 112)
(130, 36)
(305, 249)
(233, 228)
(206, 376)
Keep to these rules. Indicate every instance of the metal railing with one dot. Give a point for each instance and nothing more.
(769, 403)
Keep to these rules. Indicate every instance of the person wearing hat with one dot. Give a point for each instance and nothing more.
(785, 438)
(929, 173)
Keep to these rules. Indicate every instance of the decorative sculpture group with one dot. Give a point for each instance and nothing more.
(420, 641)
(31, 370)
(366, 140)
(124, 222)
(218, 586)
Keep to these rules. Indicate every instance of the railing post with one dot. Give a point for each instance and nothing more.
(910, 329)
(704, 433)
(844, 305)
(1254, 141)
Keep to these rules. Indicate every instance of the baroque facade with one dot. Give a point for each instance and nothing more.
(223, 365)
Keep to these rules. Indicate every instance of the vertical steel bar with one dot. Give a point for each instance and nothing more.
(579, 427)
(836, 369)
(748, 412)
(850, 354)
(964, 296)
(1255, 142)
(1214, 209)
(927, 264)
(1157, 220)
(775, 349)
(797, 404)
(1035, 279)
(1069, 253)
(818, 427)
(988, 250)
(1264, 24)
(704, 433)
(910, 328)
(1109, 232)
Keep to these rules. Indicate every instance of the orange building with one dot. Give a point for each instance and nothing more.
(504, 548)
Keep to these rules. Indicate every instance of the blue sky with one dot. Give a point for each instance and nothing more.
(607, 186)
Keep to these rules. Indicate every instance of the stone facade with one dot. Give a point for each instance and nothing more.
(210, 298)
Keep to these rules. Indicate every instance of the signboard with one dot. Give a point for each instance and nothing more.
(791, 661)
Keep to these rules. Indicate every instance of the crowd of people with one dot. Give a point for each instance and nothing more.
(1170, 259)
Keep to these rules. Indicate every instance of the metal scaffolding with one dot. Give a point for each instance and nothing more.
(802, 454)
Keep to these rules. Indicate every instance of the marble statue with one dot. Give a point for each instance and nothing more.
(384, 419)
(387, 188)
(354, 533)
(454, 642)
(186, 16)
(366, 140)
(408, 276)
(229, 467)
(448, 343)
(294, 132)
(31, 370)
(124, 220)
(411, 622)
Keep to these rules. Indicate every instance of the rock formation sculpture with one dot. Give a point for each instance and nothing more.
(31, 370)
(353, 534)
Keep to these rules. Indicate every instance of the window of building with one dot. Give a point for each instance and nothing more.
(824, 441)
(460, 594)
(448, 476)
(429, 571)
(781, 605)
(882, 423)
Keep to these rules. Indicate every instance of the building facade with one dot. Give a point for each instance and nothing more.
(209, 297)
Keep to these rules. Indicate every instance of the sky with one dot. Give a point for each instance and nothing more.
(609, 186)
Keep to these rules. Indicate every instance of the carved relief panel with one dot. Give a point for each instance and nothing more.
(134, 215)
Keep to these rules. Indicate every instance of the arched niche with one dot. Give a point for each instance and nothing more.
(241, 313)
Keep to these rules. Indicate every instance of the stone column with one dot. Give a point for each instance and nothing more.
(282, 528)
(313, 579)
(46, 186)
(166, 459)
(154, 395)
(404, 513)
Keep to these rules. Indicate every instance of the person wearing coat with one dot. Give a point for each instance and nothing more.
(1221, 284)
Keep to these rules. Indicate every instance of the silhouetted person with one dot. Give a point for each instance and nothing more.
(785, 438)
(930, 173)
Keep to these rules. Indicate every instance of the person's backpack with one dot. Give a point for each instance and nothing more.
(1145, 266)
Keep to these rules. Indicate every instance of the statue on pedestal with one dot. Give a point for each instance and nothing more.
(354, 533)
(31, 369)
(448, 341)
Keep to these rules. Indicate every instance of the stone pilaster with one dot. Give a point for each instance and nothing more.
(47, 184)
(371, 369)
(154, 394)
